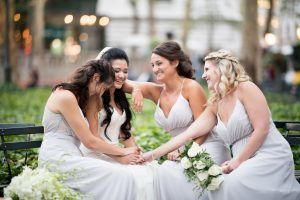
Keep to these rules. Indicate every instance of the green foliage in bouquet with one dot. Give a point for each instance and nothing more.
(199, 168)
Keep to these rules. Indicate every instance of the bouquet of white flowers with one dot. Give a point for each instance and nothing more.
(200, 168)
(40, 184)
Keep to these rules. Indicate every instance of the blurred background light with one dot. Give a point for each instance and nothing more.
(68, 19)
(103, 21)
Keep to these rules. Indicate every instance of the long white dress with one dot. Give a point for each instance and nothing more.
(96, 179)
(268, 174)
(172, 182)
(144, 176)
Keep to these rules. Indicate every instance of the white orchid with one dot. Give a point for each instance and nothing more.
(215, 183)
(199, 164)
(202, 176)
(214, 170)
(185, 163)
(194, 150)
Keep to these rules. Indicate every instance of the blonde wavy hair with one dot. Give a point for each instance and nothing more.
(231, 73)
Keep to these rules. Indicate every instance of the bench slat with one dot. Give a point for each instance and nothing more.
(22, 130)
(9, 146)
(15, 125)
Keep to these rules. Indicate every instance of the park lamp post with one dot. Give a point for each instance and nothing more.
(7, 66)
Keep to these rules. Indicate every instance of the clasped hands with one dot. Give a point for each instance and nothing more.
(230, 165)
(136, 156)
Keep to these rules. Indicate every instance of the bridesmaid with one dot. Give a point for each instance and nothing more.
(65, 127)
(262, 164)
(179, 100)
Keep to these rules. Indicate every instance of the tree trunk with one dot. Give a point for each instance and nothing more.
(13, 46)
(38, 24)
(269, 18)
(250, 52)
(151, 4)
(186, 23)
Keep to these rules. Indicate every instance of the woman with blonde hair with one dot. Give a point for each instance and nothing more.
(262, 164)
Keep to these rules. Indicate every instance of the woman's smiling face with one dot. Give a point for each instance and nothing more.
(162, 67)
(211, 74)
(120, 67)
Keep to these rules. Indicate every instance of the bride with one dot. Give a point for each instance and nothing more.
(113, 123)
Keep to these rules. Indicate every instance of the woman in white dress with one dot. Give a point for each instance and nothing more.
(113, 123)
(65, 128)
(262, 164)
(179, 100)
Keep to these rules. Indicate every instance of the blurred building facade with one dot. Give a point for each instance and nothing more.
(56, 36)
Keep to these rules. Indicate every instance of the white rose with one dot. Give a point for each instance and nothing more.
(199, 164)
(194, 150)
(202, 176)
(185, 163)
(215, 183)
(214, 170)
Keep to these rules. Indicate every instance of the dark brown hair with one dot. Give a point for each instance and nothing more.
(119, 96)
(172, 51)
(81, 78)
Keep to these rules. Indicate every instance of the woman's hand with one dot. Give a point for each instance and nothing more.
(173, 155)
(131, 159)
(131, 150)
(148, 156)
(230, 165)
(137, 99)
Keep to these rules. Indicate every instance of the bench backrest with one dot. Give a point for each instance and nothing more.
(27, 142)
(290, 130)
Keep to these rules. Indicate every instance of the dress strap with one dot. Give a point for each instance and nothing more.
(182, 85)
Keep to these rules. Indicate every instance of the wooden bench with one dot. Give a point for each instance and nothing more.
(291, 131)
(25, 132)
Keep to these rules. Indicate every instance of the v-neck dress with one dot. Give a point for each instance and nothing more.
(95, 178)
(172, 181)
(268, 174)
(143, 176)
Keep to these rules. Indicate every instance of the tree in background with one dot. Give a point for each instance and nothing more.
(251, 52)
(186, 23)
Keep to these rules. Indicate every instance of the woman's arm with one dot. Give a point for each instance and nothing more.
(148, 90)
(258, 113)
(197, 101)
(130, 142)
(201, 126)
(64, 102)
(131, 159)
(195, 95)
(92, 115)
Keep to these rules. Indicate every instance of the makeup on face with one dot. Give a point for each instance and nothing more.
(210, 74)
(121, 72)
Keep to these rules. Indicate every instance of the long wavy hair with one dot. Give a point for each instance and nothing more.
(231, 73)
(81, 78)
(121, 101)
(172, 51)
